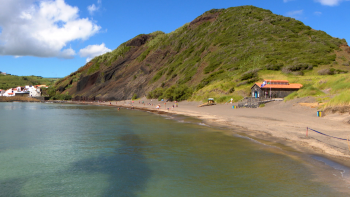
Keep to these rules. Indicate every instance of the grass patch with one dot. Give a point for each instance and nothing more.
(305, 91)
(340, 100)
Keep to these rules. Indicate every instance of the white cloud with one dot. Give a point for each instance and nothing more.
(286, 1)
(67, 53)
(41, 28)
(318, 13)
(295, 14)
(93, 8)
(330, 2)
(92, 51)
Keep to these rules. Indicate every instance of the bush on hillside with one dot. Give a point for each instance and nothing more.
(250, 74)
(156, 93)
(296, 67)
(276, 66)
(61, 97)
(331, 71)
(178, 93)
(174, 93)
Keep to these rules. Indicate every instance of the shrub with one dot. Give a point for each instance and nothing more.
(274, 66)
(62, 97)
(134, 96)
(250, 74)
(231, 90)
(156, 93)
(331, 71)
(326, 71)
(178, 93)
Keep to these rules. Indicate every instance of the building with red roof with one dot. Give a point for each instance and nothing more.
(274, 89)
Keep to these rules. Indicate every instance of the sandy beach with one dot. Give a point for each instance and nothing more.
(278, 122)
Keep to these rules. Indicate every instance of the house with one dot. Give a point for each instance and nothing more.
(10, 92)
(34, 91)
(26, 91)
(274, 89)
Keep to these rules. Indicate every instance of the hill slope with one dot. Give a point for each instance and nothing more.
(220, 53)
(12, 81)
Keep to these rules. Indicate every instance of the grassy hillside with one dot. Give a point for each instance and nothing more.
(12, 81)
(219, 54)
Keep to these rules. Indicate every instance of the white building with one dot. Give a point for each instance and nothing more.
(34, 91)
(10, 92)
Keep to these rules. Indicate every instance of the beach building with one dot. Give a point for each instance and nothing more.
(274, 89)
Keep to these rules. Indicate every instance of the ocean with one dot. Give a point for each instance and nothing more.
(85, 150)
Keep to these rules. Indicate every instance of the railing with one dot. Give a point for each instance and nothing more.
(252, 102)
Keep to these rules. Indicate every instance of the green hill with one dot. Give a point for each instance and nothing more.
(12, 81)
(219, 54)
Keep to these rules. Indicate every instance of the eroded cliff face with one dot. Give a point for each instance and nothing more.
(123, 78)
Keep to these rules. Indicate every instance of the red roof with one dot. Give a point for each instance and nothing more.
(289, 86)
(276, 81)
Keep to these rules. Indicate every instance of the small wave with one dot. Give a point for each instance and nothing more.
(167, 117)
(344, 171)
(256, 141)
(202, 124)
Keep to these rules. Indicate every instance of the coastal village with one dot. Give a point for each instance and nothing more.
(23, 91)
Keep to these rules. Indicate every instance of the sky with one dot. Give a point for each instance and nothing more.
(53, 38)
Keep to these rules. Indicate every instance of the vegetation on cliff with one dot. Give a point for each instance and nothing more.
(219, 54)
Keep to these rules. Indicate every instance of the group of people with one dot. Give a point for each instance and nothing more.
(158, 106)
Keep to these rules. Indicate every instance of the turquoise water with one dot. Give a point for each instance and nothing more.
(76, 150)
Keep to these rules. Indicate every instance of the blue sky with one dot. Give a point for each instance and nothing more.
(53, 38)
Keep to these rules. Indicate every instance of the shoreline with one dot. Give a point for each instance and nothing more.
(266, 128)
(328, 164)
(321, 158)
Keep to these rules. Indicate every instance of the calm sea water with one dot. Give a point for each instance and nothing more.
(75, 150)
